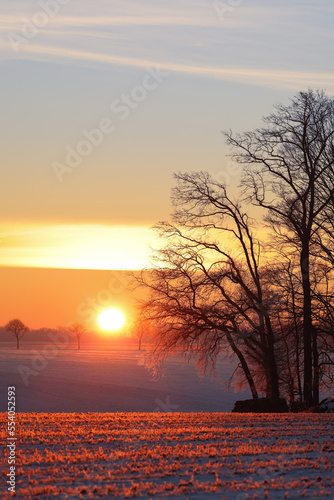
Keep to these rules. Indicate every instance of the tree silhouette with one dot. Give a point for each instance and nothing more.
(139, 331)
(205, 298)
(77, 329)
(17, 329)
(215, 285)
(289, 172)
(139, 327)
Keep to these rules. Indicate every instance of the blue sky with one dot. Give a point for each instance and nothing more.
(61, 79)
(255, 42)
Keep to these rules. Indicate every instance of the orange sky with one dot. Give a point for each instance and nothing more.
(54, 297)
(53, 274)
(123, 95)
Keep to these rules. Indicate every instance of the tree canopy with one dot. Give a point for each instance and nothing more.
(17, 329)
(218, 285)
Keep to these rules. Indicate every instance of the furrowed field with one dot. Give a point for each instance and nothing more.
(200, 455)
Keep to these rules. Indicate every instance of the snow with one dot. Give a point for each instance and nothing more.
(94, 424)
(182, 455)
(110, 379)
(327, 405)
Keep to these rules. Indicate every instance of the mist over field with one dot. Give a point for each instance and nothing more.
(108, 378)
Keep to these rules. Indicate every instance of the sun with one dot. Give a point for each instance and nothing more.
(111, 319)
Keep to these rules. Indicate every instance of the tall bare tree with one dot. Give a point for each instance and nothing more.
(209, 287)
(289, 167)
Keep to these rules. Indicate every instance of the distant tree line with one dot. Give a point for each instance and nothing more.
(223, 283)
(18, 329)
(137, 330)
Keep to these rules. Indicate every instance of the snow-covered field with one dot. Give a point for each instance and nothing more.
(100, 379)
(183, 455)
(153, 454)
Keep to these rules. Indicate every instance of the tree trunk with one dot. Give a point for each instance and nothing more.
(17, 343)
(290, 381)
(300, 390)
(139, 346)
(273, 373)
(296, 332)
(244, 366)
(316, 374)
(307, 324)
(78, 342)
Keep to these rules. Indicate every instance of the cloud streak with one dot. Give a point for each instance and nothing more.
(12, 21)
(266, 77)
(246, 47)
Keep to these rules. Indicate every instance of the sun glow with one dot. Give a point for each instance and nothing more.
(111, 320)
(75, 246)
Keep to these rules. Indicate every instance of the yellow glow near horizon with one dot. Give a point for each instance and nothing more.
(111, 319)
(75, 246)
(80, 246)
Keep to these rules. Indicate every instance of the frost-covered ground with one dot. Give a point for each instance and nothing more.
(183, 455)
(52, 379)
(151, 455)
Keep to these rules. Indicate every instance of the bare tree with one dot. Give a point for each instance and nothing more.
(290, 173)
(323, 320)
(77, 329)
(208, 295)
(288, 318)
(17, 329)
(139, 329)
(212, 286)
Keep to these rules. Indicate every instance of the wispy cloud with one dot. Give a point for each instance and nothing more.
(251, 46)
(12, 21)
(275, 78)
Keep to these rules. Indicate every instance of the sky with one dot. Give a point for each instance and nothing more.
(103, 101)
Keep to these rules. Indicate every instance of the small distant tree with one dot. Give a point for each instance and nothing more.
(78, 329)
(139, 330)
(17, 329)
(139, 327)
